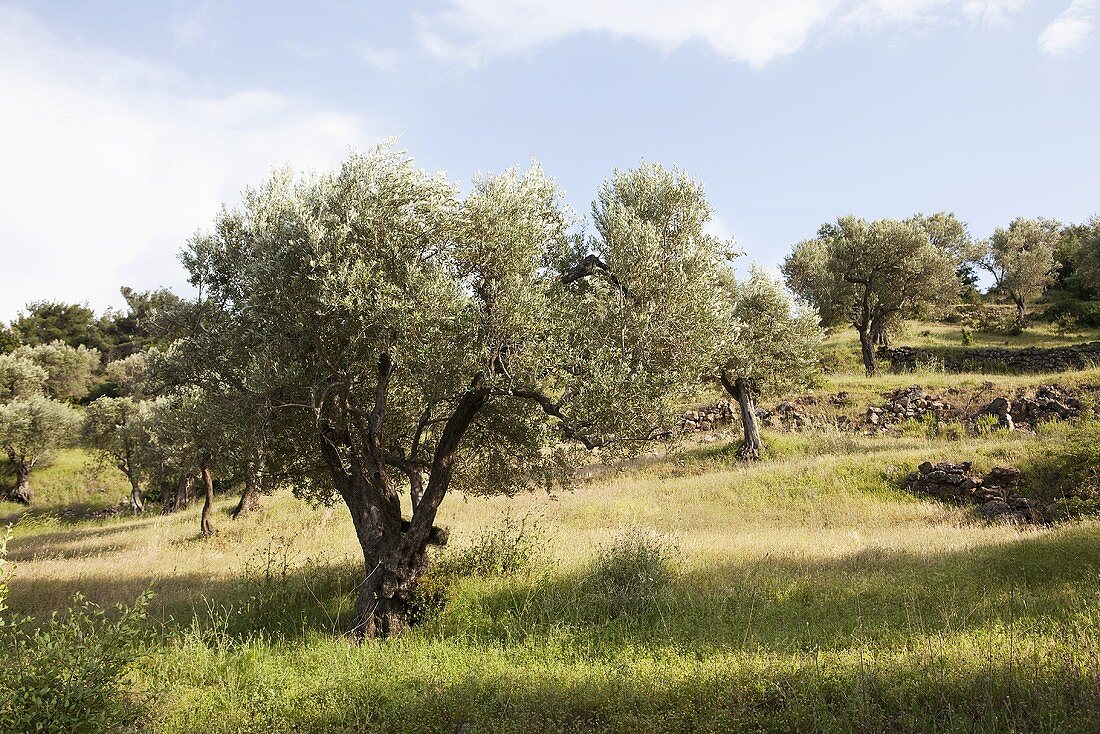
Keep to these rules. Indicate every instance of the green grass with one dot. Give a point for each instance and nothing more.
(809, 593)
(71, 480)
(813, 595)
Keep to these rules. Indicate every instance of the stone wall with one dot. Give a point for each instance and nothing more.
(996, 359)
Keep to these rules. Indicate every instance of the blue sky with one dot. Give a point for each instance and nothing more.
(124, 125)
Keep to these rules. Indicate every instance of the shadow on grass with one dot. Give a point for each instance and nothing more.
(776, 604)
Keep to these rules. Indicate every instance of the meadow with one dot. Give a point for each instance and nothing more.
(688, 592)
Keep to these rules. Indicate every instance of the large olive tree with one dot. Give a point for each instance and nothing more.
(419, 340)
(1021, 260)
(772, 345)
(874, 274)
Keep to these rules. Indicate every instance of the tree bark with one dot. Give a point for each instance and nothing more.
(137, 502)
(206, 522)
(740, 389)
(394, 552)
(250, 497)
(867, 347)
(1021, 311)
(750, 445)
(21, 492)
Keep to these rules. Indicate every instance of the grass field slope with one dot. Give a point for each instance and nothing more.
(689, 592)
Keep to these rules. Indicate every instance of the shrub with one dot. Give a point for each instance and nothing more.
(72, 673)
(628, 574)
(1083, 313)
(507, 549)
(967, 337)
(1065, 466)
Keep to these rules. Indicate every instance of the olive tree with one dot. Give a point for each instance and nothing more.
(118, 431)
(772, 346)
(32, 429)
(874, 274)
(1089, 257)
(71, 371)
(420, 340)
(1021, 260)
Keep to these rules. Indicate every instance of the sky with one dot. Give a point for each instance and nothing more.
(124, 126)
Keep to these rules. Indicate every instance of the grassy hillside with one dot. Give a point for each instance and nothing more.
(689, 593)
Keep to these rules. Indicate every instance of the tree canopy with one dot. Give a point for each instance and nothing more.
(873, 274)
(408, 337)
(1021, 259)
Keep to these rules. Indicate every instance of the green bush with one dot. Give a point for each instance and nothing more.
(509, 548)
(1065, 466)
(1082, 313)
(71, 674)
(627, 575)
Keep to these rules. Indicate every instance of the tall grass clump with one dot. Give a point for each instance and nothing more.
(1065, 466)
(627, 576)
(509, 548)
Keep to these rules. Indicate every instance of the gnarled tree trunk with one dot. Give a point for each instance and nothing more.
(867, 348)
(137, 502)
(740, 389)
(1021, 311)
(394, 551)
(206, 522)
(250, 496)
(21, 492)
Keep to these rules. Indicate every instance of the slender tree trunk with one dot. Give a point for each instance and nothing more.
(250, 497)
(750, 445)
(739, 388)
(867, 347)
(206, 523)
(21, 492)
(1021, 311)
(137, 502)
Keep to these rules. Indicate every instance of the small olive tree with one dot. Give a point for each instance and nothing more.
(118, 431)
(772, 345)
(874, 274)
(1021, 260)
(32, 430)
(419, 340)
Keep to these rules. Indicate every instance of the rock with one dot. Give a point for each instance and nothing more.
(994, 509)
(926, 467)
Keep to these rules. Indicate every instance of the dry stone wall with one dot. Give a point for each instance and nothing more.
(997, 359)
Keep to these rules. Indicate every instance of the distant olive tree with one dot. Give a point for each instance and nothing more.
(1086, 252)
(32, 429)
(1021, 260)
(419, 340)
(772, 345)
(117, 430)
(71, 371)
(874, 274)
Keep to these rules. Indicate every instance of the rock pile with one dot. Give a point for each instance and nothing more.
(996, 494)
(1050, 403)
(709, 417)
(910, 402)
(786, 415)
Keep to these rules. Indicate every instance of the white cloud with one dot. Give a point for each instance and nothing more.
(750, 31)
(1071, 31)
(109, 165)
